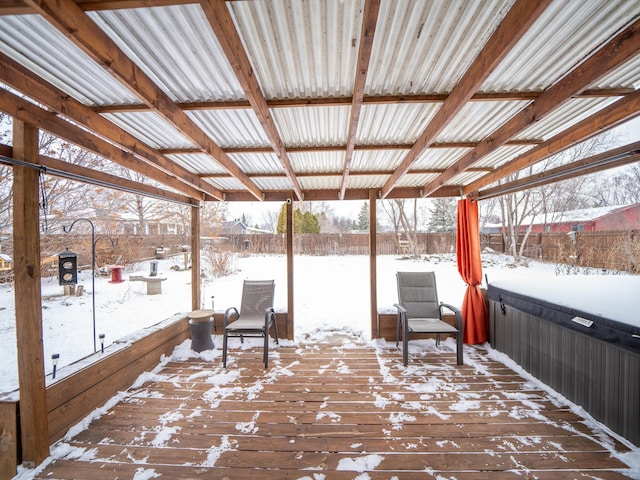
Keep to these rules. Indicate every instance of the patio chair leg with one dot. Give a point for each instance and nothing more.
(275, 328)
(459, 349)
(265, 353)
(224, 350)
(405, 344)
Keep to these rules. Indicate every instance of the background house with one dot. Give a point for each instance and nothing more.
(625, 217)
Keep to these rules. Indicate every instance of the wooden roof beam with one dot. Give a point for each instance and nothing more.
(367, 100)
(621, 48)
(514, 25)
(359, 173)
(96, 177)
(603, 161)
(222, 24)
(369, 21)
(84, 33)
(615, 114)
(341, 148)
(29, 113)
(25, 81)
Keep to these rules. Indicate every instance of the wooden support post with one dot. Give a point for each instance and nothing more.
(26, 249)
(290, 252)
(373, 265)
(196, 293)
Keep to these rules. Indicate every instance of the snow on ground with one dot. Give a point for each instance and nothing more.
(330, 293)
(435, 382)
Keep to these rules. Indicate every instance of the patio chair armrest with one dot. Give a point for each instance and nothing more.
(269, 315)
(231, 311)
(400, 308)
(457, 311)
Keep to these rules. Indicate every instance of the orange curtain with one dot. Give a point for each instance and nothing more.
(474, 309)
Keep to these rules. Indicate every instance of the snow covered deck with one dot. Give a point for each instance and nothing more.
(338, 408)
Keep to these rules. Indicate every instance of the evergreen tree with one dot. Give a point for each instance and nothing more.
(443, 215)
(281, 227)
(310, 223)
(363, 217)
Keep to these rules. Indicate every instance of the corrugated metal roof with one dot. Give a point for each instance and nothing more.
(326, 182)
(151, 129)
(33, 42)
(439, 157)
(426, 46)
(556, 41)
(312, 126)
(417, 179)
(257, 163)
(316, 162)
(376, 160)
(301, 49)
(625, 76)
(198, 163)
(309, 50)
(356, 181)
(478, 120)
(168, 44)
(502, 154)
(396, 123)
(231, 128)
(279, 184)
(564, 117)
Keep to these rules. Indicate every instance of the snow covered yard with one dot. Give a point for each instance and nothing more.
(330, 291)
(431, 407)
(334, 405)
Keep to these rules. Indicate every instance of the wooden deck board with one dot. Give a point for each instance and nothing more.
(325, 411)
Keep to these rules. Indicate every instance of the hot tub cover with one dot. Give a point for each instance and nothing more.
(602, 306)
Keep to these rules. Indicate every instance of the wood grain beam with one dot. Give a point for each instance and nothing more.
(514, 25)
(333, 195)
(614, 158)
(84, 33)
(222, 24)
(367, 100)
(359, 173)
(28, 112)
(87, 175)
(613, 115)
(21, 79)
(34, 429)
(614, 53)
(341, 148)
(367, 33)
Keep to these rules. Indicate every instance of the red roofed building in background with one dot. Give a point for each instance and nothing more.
(621, 217)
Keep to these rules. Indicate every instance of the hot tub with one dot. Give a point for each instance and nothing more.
(581, 336)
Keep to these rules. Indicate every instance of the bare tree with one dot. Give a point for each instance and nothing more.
(544, 204)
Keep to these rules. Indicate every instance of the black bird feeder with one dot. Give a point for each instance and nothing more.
(67, 268)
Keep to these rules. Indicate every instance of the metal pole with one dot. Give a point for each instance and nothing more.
(93, 269)
(93, 274)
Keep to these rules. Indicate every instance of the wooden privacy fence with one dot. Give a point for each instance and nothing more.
(615, 250)
(339, 243)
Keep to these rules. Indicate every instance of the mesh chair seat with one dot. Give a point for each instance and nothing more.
(429, 325)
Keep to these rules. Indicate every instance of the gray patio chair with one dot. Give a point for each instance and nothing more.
(420, 312)
(255, 317)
